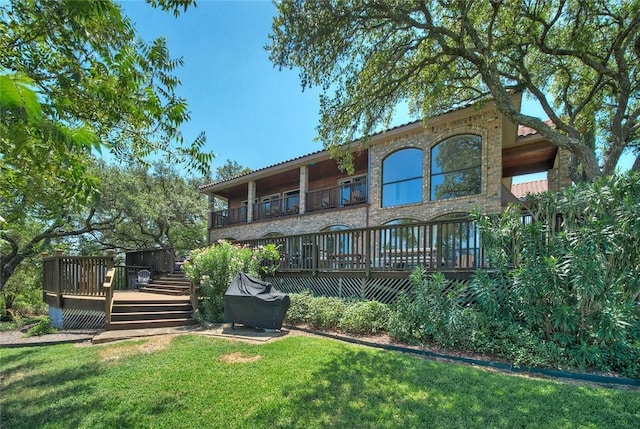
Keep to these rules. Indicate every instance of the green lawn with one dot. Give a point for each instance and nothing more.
(297, 382)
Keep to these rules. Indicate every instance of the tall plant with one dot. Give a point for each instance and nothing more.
(573, 270)
(213, 268)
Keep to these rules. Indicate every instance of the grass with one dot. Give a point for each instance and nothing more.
(296, 382)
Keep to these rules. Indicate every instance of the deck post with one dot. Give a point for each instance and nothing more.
(57, 276)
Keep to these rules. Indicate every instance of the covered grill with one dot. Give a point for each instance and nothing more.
(254, 303)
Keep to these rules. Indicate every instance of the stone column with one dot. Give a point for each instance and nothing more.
(252, 196)
(304, 184)
(558, 176)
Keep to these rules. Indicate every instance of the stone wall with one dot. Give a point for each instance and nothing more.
(351, 217)
(487, 124)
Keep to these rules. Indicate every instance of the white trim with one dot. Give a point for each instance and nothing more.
(352, 179)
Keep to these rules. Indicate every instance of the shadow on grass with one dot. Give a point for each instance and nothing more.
(358, 388)
(32, 399)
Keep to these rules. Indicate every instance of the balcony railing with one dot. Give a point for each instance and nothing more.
(437, 246)
(322, 199)
(339, 196)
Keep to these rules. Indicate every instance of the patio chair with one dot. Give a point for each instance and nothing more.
(144, 277)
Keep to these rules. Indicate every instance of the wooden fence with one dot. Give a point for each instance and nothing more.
(75, 275)
(155, 260)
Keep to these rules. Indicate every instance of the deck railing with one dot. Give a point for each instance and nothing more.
(437, 246)
(321, 199)
(338, 196)
(75, 275)
(155, 260)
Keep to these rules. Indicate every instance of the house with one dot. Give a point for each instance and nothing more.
(420, 171)
(429, 175)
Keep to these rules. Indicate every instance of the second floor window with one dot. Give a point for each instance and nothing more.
(292, 201)
(456, 167)
(402, 178)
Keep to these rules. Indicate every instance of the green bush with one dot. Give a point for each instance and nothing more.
(364, 317)
(353, 317)
(325, 313)
(433, 313)
(298, 311)
(571, 277)
(213, 268)
(43, 327)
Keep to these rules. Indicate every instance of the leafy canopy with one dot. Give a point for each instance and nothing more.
(76, 79)
(578, 58)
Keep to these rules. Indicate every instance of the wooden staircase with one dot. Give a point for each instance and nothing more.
(164, 303)
(169, 284)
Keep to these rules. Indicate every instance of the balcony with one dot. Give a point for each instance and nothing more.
(317, 200)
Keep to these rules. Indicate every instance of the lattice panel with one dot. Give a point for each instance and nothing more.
(82, 319)
(378, 289)
(385, 290)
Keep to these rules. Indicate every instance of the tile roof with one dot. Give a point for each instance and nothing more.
(520, 190)
(522, 132)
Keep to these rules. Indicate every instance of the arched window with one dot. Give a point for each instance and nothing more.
(336, 243)
(456, 167)
(402, 178)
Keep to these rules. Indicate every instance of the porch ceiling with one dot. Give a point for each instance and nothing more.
(317, 170)
(526, 156)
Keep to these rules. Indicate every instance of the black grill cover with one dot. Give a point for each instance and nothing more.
(254, 303)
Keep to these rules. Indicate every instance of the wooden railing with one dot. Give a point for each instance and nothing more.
(108, 288)
(75, 275)
(155, 260)
(337, 196)
(438, 246)
(321, 199)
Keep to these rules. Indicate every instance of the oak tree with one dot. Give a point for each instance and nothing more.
(578, 58)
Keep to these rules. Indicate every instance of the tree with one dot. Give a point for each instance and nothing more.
(154, 208)
(231, 169)
(578, 58)
(76, 80)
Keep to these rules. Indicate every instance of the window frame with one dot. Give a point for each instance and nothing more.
(405, 180)
(442, 173)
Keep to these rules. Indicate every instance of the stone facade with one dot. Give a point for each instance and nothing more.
(487, 125)
(486, 122)
(351, 217)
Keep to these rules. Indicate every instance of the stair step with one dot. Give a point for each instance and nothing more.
(171, 282)
(148, 324)
(149, 308)
(169, 286)
(155, 300)
(164, 291)
(148, 316)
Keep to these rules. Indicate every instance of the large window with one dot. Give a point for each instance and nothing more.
(456, 167)
(402, 178)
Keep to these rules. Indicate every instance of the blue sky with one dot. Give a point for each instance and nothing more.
(251, 112)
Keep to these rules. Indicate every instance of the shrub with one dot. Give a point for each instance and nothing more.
(325, 312)
(298, 311)
(43, 327)
(353, 317)
(364, 317)
(214, 267)
(432, 313)
(572, 275)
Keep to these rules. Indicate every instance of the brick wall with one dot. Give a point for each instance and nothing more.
(486, 124)
(290, 225)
